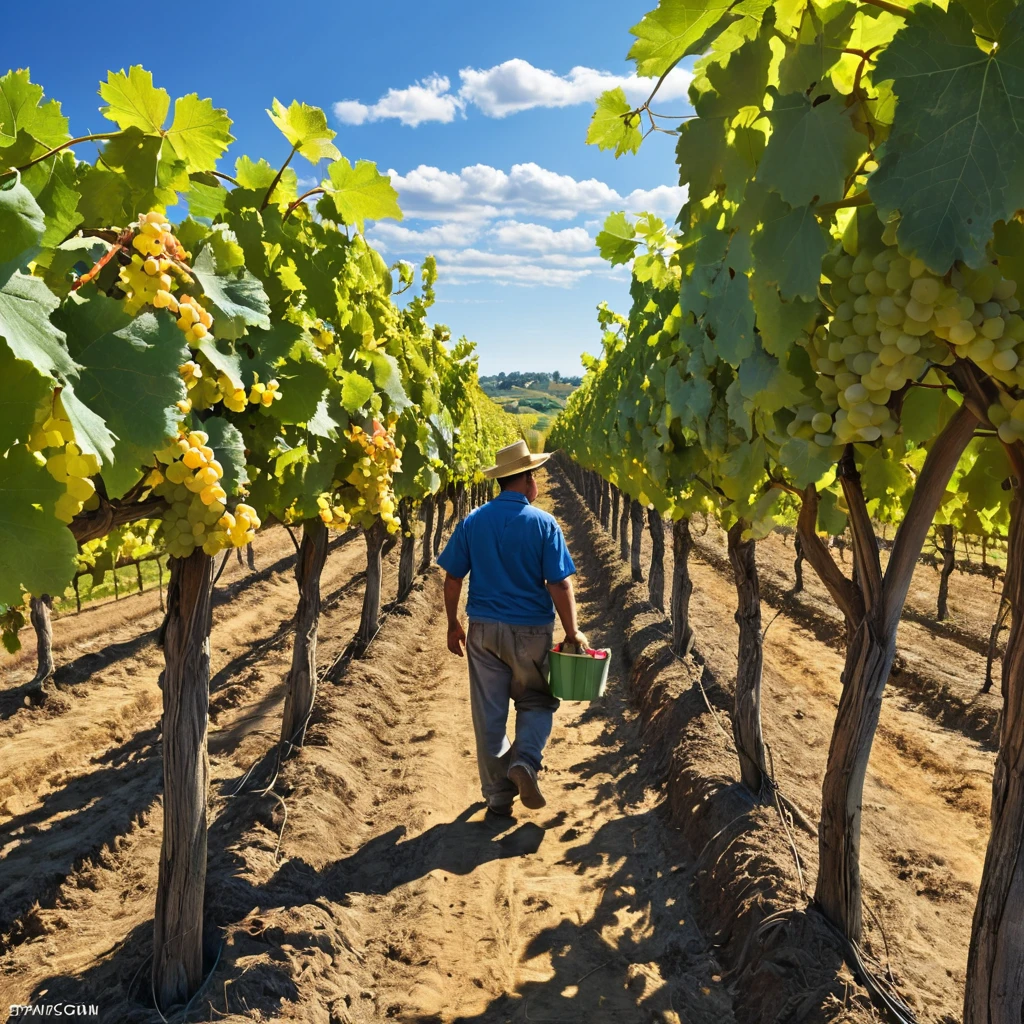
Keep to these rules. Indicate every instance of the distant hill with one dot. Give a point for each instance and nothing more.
(536, 398)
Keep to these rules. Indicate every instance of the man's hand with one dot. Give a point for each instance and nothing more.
(456, 638)
(577, 640)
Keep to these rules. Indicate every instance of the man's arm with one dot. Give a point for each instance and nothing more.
(456, 634)
(565, 604)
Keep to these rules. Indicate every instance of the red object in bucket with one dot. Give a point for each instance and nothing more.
(590, 651)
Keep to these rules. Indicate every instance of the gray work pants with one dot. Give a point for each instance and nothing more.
(508, 663)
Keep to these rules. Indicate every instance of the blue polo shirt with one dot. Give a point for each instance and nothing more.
(510, 551)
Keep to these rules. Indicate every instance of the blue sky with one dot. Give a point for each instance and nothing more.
(479, 110)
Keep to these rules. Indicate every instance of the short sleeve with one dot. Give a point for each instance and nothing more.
(455, 557)
(558, 563)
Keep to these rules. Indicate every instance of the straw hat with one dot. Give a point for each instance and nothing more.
(516, 458)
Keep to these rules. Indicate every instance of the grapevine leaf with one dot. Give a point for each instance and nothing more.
(813, 148)
(199, 133)
(831, 518)
(22, 225)
(106, 197)
(672, 31)
(789, 249)
(805, 462)
(229, 448)
(129, 377)
(951, 164)
(302, 387)
(132, 100)
(989, 16)
(780, 324)
(925, 412)
(730, 316)
(53, 183)
(356, 391)
(37, 551)
(617, 240)
(76, 254)
(982, 484)
(742, 469)
(768, 385)
(612, 127)
(360, 193)
(22, 111)
(322, 423)
(260, 176)
(306, 129)
(237, 298)
(885, 479)
(25, 307)
(228, 363)
(24, 389)
(205, 200)
(711, 157)
(1008, 248)
(91, 432)
(388, 378)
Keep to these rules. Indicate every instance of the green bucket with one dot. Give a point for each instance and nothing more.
(578, 676)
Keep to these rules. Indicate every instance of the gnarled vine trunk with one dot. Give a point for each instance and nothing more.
(39, 615)
(948, 564)
(995, 962)
(993, 638)
(302, 678)
(656, 580)
(605, 502)
(407, 558)
(872, 606)
(636, 520)
(178, 919)
(428, 530)
(746, 716)
(440, 508)
(369, 623)
(798, 565)
(682, 588)
(615, 512)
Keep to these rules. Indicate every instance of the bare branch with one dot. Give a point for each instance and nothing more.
(843, 592)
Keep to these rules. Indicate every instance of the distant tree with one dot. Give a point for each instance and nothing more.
(556, 376)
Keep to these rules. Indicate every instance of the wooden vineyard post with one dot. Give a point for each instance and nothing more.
(656, 580)
(375, 536)
(407, 558)
(302, 676)
(682, 588)
(995, 962)
(948, 564)
(440, 504)
(138, 575)
(993, 639)
(615, 512)
(428, 530)
(746, 716)
(42, 623)
(798, 564)
(636, 519)
(178, 919)
(624, 528)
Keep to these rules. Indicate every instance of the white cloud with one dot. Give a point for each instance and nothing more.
(514, 234)
(504, 89)
(517, 85)
(394, 237)
(429, 100)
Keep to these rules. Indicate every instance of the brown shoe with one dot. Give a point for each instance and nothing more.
(525, 779)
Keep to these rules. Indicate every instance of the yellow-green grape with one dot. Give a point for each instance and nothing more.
(264, 394)
(233, 398)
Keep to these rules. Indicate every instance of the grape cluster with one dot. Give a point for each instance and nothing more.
(197, 514)
(148, 279)
(373, 475)
(68, 466)
(891, 320)
(332, 512)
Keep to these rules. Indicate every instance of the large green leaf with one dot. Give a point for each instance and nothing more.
(306, 129)
(388, 378)
(22, 110)
(259, 175)
(952, 161)
(25, 307)
(672, 31)
(611, 127)
(24, 390)
(22, 224)
(53, 183)
(37, 551)
(790, 248)
(356, 391)
(133, 101)
(237, 298)
(813, 148)
(360, 193)
(302, 386)
(768, 385)
(199, 133)
(617, 240)
(129, 376)
(91, 433)
(804, 462)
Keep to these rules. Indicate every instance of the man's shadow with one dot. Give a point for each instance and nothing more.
(458, 847)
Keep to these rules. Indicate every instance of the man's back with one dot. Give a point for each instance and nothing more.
(510, 551)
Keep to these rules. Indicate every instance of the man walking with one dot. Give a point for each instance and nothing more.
(520, 573)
